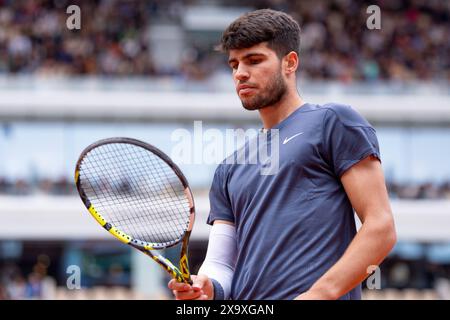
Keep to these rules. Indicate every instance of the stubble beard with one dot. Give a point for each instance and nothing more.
(271, 95)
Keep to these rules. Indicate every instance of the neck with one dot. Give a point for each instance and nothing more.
(273, 115)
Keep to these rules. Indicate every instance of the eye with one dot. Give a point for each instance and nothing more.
(255, 61)
(233, 66)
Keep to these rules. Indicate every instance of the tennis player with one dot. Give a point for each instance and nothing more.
(292, 234)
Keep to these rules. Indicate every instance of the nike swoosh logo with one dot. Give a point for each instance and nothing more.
(286, 140)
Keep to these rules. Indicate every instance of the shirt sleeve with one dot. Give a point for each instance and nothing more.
(220, 205)
(347, 138)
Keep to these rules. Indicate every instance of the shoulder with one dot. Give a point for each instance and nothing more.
(223, 168)
(345, 114)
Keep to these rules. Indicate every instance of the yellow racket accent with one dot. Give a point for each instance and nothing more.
(184, 267)
(174, 271)
(77, 175)
(97, 216)
(120, 235)
(116, 233)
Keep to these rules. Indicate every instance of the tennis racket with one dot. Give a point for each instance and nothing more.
(138, 194)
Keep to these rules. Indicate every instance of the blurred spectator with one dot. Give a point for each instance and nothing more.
(117, 276)
(21, 187)
(36, 285)
(427, 190)
(335, 43)
(17, 288)
(446, 190)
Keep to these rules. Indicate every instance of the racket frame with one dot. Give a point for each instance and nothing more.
(181, 273)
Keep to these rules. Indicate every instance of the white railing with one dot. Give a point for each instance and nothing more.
(139, 99)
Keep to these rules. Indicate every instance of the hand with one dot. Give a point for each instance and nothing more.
(201, 289)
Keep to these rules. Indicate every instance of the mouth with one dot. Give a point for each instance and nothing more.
(245, 89)
(245, 92)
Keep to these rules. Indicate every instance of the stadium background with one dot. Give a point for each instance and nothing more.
(146, 68)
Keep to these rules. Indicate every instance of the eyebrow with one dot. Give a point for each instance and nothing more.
(248, 55)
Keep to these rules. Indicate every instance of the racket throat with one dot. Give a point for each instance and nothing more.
(171, 268)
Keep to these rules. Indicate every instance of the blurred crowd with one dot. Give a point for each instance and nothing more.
(427, 190)
(23, 187)
(15, 284)
(412, 44)
(63, 186)
(34, 38)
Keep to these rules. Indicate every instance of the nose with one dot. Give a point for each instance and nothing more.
(241, 73)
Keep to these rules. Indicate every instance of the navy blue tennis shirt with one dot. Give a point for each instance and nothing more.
(292, 226)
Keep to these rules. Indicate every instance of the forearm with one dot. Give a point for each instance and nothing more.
(220, 259)
(369, 247)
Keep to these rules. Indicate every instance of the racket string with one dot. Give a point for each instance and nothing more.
(136, 191)
(168, 196)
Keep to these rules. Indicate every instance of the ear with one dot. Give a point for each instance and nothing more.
(291, 62)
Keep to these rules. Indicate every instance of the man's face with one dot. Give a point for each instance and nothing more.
(257, 76)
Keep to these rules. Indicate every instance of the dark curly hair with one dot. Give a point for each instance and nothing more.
(278, 29)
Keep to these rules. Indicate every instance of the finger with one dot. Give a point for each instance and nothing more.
(178, 286)
(202, 297)
(187, 295)
(199, 282)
